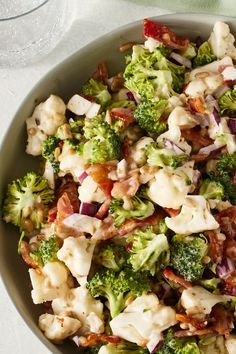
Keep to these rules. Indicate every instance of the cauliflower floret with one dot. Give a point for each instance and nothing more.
(77, 254)
(224, 137)
(82, 306)
(204, 86)
(210, 68)
(82, 223)
(170, 187)
(49, 174)
(143, 321)
(230, 344)
(181, 118)
(80, 106)
(222, 41)
(138, 150)
(174, 135)
(90, 192)
(195, 216)
(198, 301)
(49, 283)
(71, 162)
(57, 328)
(45, 120)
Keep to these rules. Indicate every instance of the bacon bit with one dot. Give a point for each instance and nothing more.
(127, 187)
(99, 173)
(132, 224)
(125, 115)
(172, 212)
(52, 214)
(199, 332)
(178, 279)
(94, 339)
(230, 284)
(102, 211)
(199, 157)
(230, 249)
(194, 135)
(126, 149)
(116, 83)
(196, 104)
(187, 319)
(216, 246)
(25, 253)
(101, 74)
(227, 220)
(164, 35)
(107, 229)
(64, 208)
(222, 320)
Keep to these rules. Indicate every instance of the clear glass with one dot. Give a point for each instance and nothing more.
(29, 29)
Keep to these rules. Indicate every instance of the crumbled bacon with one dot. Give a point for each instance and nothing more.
(95, 339)
(194, 135)
(216, 246)
(172, 212)
(164, 35)
(178, 279)
(230, 249)
(227, 220)
(199, 332)
(107, 229)
(99, 173)
(116, 83)
(127, 187)
(222, 319)
(102, 211)
(101, 74)
(130, 225)
(187, 319)
(196, 104)
(125, 115)
(230, 284)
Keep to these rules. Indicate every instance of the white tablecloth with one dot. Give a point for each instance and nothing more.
(89, 19)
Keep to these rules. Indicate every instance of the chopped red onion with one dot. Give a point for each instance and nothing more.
(209, 149)
(155, 347)
(196, 177)
(170, 145)
(198, 41)
(203, 119)
(225, 267)
(181, 60)
(221, 90)
(216, 116)
(232, 125)
(211, 103)
(76, 340)
(130, 96)
(82, 177)
(88, 209)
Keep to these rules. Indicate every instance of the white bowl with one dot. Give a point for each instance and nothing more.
(65, 80)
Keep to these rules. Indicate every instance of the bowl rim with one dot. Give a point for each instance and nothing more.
(27, 12)
(183, 16)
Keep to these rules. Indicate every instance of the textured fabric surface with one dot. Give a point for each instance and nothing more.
(220, 7)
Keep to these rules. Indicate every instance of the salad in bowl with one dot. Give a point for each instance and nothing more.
(129, 224)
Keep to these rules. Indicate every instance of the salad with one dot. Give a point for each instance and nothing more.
(129, 225)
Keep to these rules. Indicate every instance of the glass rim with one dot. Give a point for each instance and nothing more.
(24, 13)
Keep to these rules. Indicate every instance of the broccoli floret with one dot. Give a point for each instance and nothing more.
(164, 157)
(148, 115)
(210, 284)
(187, 253)
(76, 127)
(97, 90)
(212, 189)
(48, 151)
(190, 51)
(122, 348)
(118, 287)
(103, 143)
(141, 209)
(46, 251)
(149, 251)
(174, 345)
(122, 104)
(112, 256)
(204, 55)
(224, 174)
(26, 201)
(75, 144)
(151, 75)
(227, 102)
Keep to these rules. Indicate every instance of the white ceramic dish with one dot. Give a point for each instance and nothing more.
(65, 80)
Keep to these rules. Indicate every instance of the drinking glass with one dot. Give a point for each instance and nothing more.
(29, 29)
